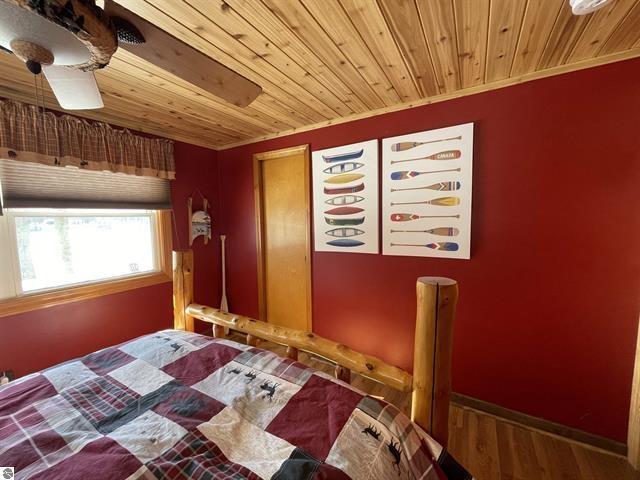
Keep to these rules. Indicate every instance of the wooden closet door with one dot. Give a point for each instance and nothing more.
(284, 237)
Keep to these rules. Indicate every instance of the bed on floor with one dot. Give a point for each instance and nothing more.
(179, 405)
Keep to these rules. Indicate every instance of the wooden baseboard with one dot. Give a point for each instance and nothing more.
(540, 424)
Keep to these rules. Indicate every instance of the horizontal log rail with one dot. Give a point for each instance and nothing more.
(365, 365)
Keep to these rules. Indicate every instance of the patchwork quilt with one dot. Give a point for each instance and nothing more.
(179, 405)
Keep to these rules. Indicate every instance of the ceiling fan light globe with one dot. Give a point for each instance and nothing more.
(584, 7)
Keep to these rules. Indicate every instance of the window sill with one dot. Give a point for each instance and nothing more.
(36, 301)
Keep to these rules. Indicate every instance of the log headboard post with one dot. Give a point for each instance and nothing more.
(182, 289)
(436, 298)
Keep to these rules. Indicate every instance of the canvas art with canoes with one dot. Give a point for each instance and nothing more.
(344, 200)
(341, 222)
(343, 168)
(344, 211)
(345, 242)
(343, 190)
(344, 232)
(343, 157)
(344, 178)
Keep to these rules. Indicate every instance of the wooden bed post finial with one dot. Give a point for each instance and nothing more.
(436, 309)
(182, 289)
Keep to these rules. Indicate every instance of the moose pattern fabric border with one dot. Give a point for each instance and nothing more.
(345, 198)
(426, 193)
(177, 405)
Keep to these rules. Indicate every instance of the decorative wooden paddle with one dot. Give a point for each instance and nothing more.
(440, 186)
(441, 202)
(445, 246)
(402, 146)
(405, 217)
(442, 231)
(445, 155)
(344, 178)
(405, 175)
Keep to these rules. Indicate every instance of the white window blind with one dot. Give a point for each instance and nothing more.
(33, 185)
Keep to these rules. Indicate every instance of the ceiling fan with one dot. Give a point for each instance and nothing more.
(69, 39)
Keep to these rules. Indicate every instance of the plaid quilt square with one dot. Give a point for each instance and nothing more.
(99, 398)
(196, 457)
(104, 361)
(314, 417)
(188, 407)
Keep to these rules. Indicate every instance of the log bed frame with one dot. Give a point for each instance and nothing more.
(430, 384)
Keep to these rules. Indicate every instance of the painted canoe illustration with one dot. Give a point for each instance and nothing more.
(344, 178)
(344, 200)
(343, 167)
(342, 222)
(345, 242)
(344, 232)
(442, 231)
(444, 246)
(407, 174)
(402, 146)
(440, 186)
(343, 190)
(344, 211)
(343, 157)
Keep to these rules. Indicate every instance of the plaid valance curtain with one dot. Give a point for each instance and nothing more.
(26, 134)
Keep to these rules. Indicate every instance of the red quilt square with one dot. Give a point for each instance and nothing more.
(199, 364)
(102, 459)
(24, 393)
(314, 417)
(107, 360)
(19, 456)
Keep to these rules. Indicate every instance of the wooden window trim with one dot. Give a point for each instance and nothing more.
(36, 301)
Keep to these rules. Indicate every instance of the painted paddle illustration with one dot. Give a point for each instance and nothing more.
(343, 157)
(344, 200)
(442, 231)
(407, 174)
(344, 178)
(406, 217)
(445, 246)
(402, 146)
(444, 155)
(343, 168)
(441, 202)
(343, 190)
(440, 186)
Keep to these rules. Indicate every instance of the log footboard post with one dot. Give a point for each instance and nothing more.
(182, 289)
(437, 298)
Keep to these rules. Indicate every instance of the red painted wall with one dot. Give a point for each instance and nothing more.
(35, 340)
(550, 299)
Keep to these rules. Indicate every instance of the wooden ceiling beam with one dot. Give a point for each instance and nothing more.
(472, 21)
(505, 22)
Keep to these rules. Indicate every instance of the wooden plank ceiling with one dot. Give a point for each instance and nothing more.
(327, 61)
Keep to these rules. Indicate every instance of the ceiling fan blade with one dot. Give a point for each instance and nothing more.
(184, 61)
(73, 88)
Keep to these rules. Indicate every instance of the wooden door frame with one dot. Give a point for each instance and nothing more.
(633, 433)
(258, 158)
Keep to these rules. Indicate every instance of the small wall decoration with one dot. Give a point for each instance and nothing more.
(199, 221)
(345, 198)
(426, 193)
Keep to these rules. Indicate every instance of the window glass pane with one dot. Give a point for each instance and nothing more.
(56, 250)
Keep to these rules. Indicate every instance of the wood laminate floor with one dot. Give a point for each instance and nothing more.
(493, 448)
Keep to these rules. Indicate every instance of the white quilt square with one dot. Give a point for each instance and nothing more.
(140, 377)
(148, 435)
(244, 443)
(256, 395)
(68, 375)
(158, 350)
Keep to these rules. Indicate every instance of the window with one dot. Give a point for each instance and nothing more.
(44, 251)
